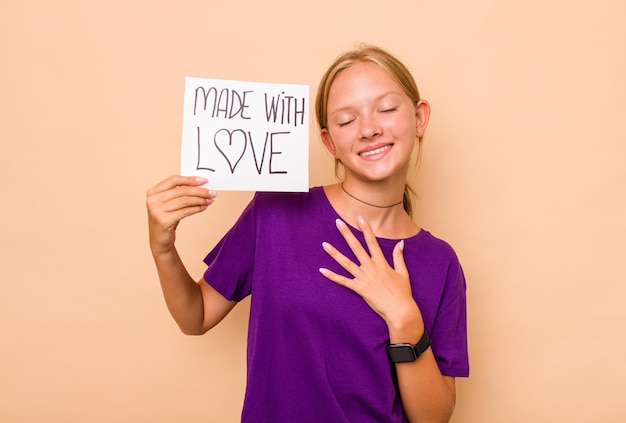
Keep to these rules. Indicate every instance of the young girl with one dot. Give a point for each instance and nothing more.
(357, 314)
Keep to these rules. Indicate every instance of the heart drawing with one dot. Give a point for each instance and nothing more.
(232, 145)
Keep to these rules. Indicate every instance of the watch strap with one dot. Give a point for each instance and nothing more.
(423, 344)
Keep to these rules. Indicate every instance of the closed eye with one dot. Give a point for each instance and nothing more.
(342, 124)
(391, 109)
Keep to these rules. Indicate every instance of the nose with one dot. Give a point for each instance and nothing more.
(370, 127)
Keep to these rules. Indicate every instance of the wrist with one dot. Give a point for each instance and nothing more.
(406, 326)
(164, 255)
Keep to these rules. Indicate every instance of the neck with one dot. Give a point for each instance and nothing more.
(378, 206)
(390, 222)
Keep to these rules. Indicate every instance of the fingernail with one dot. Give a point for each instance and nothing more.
(326, 246)
(201, 180)
(323, 271)
(340, 224)
(401, 244)
(213, 193)
(360, 220)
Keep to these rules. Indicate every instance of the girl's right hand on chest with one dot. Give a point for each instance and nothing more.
(170, 201)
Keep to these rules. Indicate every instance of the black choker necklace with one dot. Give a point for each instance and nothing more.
(371, 205)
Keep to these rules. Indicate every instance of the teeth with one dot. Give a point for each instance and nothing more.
(372, 152)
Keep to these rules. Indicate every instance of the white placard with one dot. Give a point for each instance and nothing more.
(246, 136)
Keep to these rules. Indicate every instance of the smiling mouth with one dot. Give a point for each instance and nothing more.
(375, 151)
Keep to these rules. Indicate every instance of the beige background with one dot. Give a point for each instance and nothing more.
(523, 172)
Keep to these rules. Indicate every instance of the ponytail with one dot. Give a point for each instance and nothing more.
(407, 199)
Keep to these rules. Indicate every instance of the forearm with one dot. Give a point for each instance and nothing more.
(182, 294)
(427, 396)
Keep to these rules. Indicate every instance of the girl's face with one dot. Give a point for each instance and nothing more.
(372, 124)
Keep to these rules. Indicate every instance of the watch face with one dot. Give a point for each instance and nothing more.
(402, 353)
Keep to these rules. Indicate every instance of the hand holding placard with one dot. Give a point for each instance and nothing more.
(246, 136)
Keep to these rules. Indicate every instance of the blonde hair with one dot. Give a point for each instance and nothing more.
(367, 53)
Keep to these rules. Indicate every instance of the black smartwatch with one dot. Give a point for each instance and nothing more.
(406, 353)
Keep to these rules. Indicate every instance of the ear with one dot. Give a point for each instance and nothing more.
(422, 115)
(327, 139)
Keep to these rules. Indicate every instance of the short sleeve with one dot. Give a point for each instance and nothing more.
(449, 331)
(231, 262)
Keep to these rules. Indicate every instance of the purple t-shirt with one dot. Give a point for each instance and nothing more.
(316, 350)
